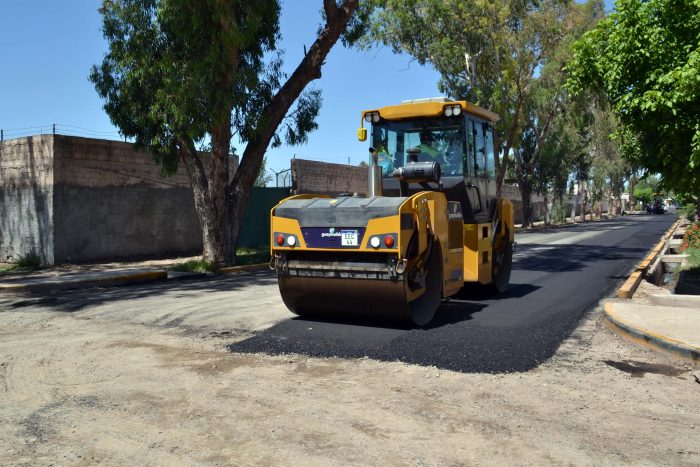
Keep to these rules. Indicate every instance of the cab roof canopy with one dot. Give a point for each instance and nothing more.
(430, 107)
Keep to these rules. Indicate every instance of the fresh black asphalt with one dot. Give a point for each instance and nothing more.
(558, 275)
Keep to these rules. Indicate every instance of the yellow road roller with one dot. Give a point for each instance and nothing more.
(429, 225)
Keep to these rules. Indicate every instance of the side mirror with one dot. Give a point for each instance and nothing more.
(362, 134)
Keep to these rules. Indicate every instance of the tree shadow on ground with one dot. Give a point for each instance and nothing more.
(74, 300)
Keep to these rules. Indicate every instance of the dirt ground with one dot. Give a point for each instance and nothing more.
(87, 387)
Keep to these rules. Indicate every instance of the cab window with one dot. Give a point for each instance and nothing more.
(480, 161)
(490, 155)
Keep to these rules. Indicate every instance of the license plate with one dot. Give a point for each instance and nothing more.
(348, 238)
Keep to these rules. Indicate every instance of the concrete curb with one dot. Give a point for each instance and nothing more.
(633, 281)
(77, 282)
(649, 338)
(244, 268)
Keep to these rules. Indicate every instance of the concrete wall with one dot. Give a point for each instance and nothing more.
(110, 202)
(73, 199)
(512, 192)
(26, 198)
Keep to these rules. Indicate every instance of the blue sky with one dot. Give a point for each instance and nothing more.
(47, 49)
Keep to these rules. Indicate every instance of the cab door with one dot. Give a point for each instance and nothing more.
(480, 170)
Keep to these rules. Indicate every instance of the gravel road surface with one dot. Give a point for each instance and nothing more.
(144, 375)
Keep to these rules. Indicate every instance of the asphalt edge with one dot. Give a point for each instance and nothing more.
(627, 289)
(647, 338)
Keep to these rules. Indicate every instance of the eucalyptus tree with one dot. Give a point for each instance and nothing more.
(645, 57)
(180, 73)
(487, 51)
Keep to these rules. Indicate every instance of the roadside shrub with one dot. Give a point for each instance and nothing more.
(691, 239)
(28, 261)
(195, 265)
(558, 213)
(688, 212)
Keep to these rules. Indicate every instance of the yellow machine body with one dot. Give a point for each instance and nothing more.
(389, 256)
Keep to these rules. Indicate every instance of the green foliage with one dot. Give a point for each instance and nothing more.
(644, 194)
(558, 213)
(693, 259)
(506, 56)
(253, 255)
(177, 70)
(507, 42)
(688, 211)
(28, 261)
(691, 238)
(645, 57)
(195, 265)
(180, 75)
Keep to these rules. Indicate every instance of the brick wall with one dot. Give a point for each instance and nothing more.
(26, 198)
(326, 178)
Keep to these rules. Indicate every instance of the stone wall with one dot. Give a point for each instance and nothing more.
(26, 198)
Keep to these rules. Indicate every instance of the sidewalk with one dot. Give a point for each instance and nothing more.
(106, 274)
(651, 315)
(671, 329)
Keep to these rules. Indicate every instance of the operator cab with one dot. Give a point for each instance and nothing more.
(456, 134)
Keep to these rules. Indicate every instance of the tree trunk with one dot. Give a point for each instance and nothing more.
(575, 202)
(632, 201)
(525, 190)
(208, 192)
(502, 166)
(584, 201)
(547, 210)
(309, 69)
(526, 197)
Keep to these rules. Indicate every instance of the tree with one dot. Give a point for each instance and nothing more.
(491, 53)
(645, 57)
(181, 73)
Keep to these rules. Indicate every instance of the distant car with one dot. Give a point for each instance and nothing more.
(658, 207)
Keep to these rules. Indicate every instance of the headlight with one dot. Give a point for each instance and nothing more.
(372, 117)
(451, 110)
